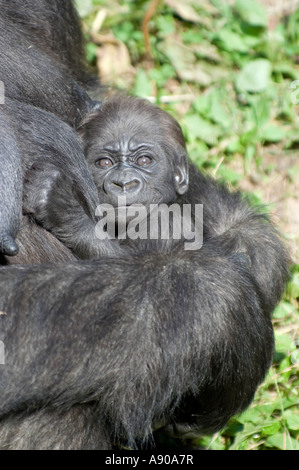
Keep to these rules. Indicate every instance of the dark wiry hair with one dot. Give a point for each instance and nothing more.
(133, 113)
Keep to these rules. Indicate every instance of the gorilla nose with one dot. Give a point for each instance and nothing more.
(123, 186)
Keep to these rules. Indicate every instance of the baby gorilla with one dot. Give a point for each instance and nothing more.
(133, 149)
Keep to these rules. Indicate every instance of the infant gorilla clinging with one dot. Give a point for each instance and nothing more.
(133, 149)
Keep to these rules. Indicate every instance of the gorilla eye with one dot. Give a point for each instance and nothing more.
(144, 160)
(104, 162)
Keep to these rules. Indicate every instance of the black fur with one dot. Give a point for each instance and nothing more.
(99, 352)
(121, 123)
(169, 336)
(236, 229)
(10, 189)
(182, 337)
(41, 55)
(51, 26)
(42, 65)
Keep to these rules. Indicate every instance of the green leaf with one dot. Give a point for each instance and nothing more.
(229, 175)
(271, 428)
(260, 110)
(165, 25)
(184, 61)
(288, 402)
(198, 153)
(125, 31)
(277, 441)
(233, 427)
(283, 343)
(209, 442)
(250, 153)
(293, 286)
(162, 74)
(143, 86)
(243, 445)
(206, 50)
(240, 442)
(249, 137)
(198, 127)
(91, 51)
(251, 414)
(273, 134)
(84, 7)
(211, 106)
(287, 70)
(184, 9)
(235, 146)
(251, 13)
(218, 113)
(255, 414)
(283, 365)
(186, 64)
(254, 76)
(283, 310)
(231, 41)
(202, 104)
(292, 420)
(282, 441)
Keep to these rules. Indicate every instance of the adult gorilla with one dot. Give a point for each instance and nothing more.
(102, 351)
(99, 352)
(162, 334)
(42, 65)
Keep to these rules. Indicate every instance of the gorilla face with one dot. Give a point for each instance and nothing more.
(135, 150)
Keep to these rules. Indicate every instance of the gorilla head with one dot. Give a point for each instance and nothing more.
(136, 156)
(135, 149)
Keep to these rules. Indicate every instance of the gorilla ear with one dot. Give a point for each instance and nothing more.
(181, 176)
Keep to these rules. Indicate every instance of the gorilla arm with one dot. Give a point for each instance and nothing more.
(25, 137)
(129, 339)
(237, 229)
(11, 186)
(55, 202)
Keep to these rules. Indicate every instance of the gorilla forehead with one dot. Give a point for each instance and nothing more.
(126, 144)
(128, 131)
(131, 117)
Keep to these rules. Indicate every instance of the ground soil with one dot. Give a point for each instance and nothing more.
(278, 184)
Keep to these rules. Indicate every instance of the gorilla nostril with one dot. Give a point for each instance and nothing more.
(124, 185)
(132, 184)
(116, 185)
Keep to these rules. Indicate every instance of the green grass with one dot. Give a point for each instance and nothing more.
(230, 81)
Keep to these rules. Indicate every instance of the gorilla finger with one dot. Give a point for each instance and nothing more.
(8, 246)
